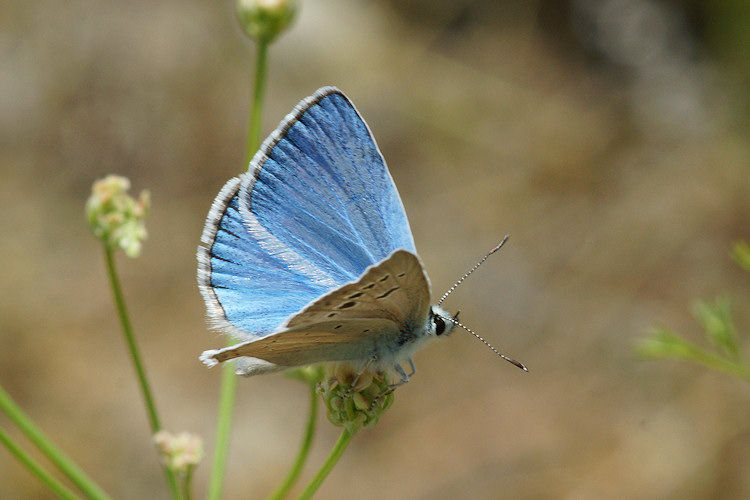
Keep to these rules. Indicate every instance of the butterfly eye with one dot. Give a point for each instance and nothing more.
(439, 325)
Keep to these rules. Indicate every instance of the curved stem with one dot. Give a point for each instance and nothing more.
(135, 357)
(328, 465)
(228, 378)
(53, 484)
(304, 450)
(52, 452)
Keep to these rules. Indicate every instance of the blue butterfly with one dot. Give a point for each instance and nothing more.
(308, 257)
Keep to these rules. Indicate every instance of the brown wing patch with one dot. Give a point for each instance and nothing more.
(396, 289)
(336, 327)
(326, 342)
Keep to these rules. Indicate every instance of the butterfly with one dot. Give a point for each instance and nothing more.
(308, 256)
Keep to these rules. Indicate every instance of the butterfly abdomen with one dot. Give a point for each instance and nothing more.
(401, 346)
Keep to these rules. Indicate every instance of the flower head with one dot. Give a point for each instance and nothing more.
(355, 400)
(179, 452)
(264, 20)
(116, 218)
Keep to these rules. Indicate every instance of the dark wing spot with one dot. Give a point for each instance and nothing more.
(347, 305)
(365, 330)
(355, 295)
(386, 294)
(384, 278)
(337, 327)
(401, 275)
(331, 315)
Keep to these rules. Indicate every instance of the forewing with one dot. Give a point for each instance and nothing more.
(315, 210)
(349, 323)
(319, 194)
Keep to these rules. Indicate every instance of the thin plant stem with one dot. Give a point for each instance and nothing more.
(127, 330)
(256, 113)
(36, 469)
(187, 480)
(304, 450)
(52, 452)
(330, 462)
(223, 428)
(135, 357)
(228, 378)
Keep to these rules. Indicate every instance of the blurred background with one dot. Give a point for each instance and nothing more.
(608, 138)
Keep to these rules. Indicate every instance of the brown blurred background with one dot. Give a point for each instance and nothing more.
(609, 138)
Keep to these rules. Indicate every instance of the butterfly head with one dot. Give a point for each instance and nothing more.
(440, 322)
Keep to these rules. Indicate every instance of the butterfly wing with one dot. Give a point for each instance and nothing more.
(319, 193)
(315, 210)
(373, 316)
(248, 292)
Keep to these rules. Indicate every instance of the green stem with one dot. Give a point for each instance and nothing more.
(256, 113)
(53, 484)
(330, 462)
(223, 428)
(187, 487)
(228, 378)
(127, 330)
(52, 452)
(304, 450)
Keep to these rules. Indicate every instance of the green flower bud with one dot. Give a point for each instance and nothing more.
(355, 406)
(264, 20)
(116, 218)
(179, 452)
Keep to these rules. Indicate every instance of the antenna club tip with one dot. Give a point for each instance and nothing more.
(519, 364)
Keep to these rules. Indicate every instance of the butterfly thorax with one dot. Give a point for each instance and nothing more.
(412, 338)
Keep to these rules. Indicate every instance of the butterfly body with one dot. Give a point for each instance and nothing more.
(308, 257)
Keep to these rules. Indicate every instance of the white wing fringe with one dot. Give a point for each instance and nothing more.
(208, 358)
(244, 365)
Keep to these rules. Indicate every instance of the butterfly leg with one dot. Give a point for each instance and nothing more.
(413, 368)
(359, 374)
(391, 387)
(404, 377)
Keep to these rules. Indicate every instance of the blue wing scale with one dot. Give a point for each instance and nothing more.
(315, 210)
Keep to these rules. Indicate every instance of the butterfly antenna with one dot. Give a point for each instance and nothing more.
(506, 358)
(455, 285)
